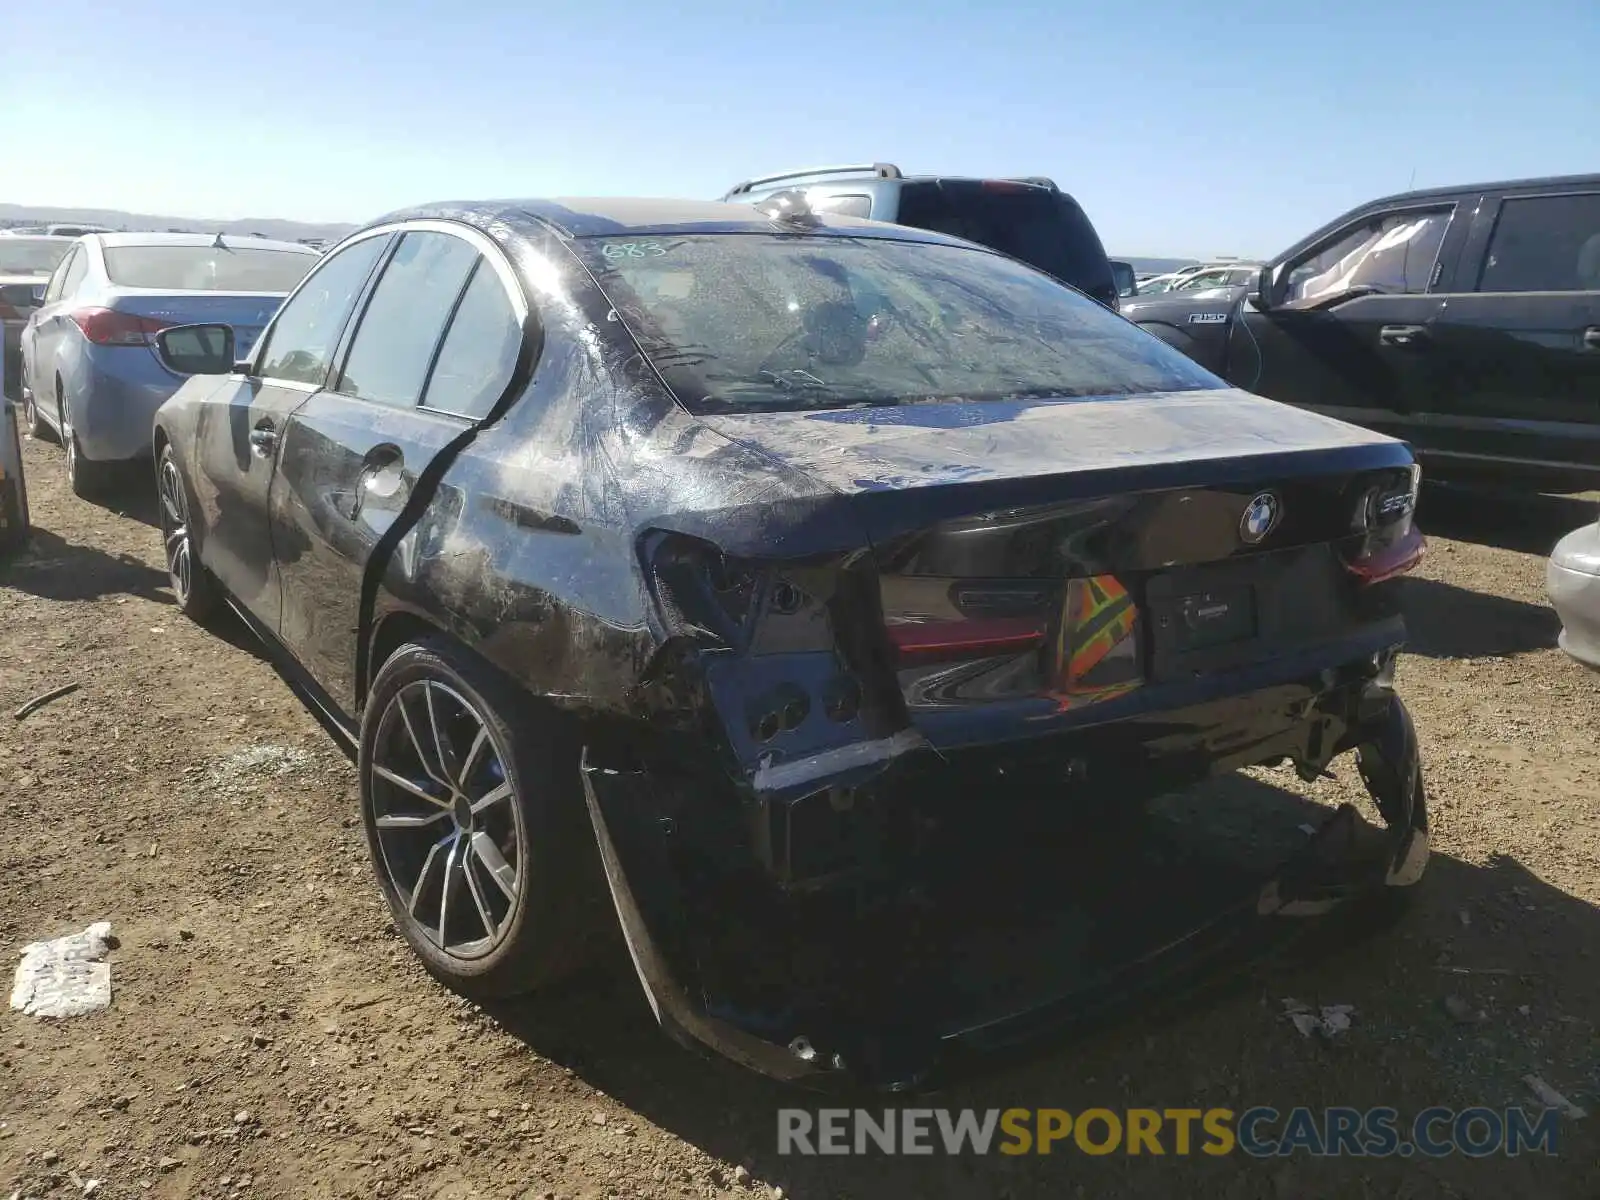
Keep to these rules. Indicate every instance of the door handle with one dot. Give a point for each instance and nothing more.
(1404, 336)
(1591, 338)
(263, 440)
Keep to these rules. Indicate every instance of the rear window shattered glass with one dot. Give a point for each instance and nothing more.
(749, 322)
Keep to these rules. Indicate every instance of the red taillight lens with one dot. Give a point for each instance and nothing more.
(924, 642)
(107, 327)
(1390, 558)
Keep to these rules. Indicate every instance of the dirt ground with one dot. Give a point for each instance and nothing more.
(271, 1037)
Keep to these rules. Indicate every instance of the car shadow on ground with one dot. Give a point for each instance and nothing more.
(1528, 522)
(1222, 1043)
(55, 569)
(1445, 621)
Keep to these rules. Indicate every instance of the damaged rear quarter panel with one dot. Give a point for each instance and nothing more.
(529, 549)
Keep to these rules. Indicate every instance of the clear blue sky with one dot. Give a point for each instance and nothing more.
(1184, 127)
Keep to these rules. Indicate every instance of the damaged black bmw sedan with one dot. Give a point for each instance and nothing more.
(791, 592)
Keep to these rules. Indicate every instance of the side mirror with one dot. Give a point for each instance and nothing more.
(1127, 282)
(1260, 293)
(196, 349)
(21, 295)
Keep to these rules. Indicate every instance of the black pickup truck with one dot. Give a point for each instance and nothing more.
(1464, 320)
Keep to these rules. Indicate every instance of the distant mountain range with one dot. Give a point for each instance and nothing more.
(112, 218)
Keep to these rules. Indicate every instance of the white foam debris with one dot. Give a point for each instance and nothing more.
(65, 976)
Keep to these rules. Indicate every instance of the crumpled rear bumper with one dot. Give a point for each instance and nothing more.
(884, 1026)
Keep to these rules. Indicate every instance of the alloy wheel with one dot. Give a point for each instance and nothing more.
(175, 528)
(449, 827)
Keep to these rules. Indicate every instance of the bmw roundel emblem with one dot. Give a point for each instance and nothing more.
(1260, 518)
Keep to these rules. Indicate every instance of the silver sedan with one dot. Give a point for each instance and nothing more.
(1573, 580)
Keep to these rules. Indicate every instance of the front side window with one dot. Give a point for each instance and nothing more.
(207, 268)
(752, 322)
(405, 318)
(303, 337)
(1394, 253)
(1545, 244)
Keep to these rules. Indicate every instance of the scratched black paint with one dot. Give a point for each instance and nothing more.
(711, 598)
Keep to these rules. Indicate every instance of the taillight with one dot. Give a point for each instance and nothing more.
(1391, 544)
(1386, 558)
(924, 642)
(107, 327)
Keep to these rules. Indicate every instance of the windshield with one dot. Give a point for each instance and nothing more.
(31, 256)
(208, 268)
(748, 322)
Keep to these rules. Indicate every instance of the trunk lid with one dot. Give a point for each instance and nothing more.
(247, 312)
(1034, 560)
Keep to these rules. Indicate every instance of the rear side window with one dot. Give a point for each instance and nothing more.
(480, 351)
(1545, 244)
(207, 268)
(306, 331)
(76, 270)
(394, 344)
(58, 281)
(845, 206)
(1044, 229)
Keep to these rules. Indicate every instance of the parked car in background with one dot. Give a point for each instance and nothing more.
(1463, 319)
(90, 373)
(76, 229)
(1204, 284)
(1572, 579)
(26, 262)
(1031, 219)
(700, 565)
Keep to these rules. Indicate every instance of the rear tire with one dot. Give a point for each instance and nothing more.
(87, 478)
(196, 590)
(31, 419)
(472, 804)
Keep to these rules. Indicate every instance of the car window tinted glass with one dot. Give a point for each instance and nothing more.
(31, 256)
(304, 335)
(401, 327)
(1393, 254)
(845, 206)
(207, 268)
(480, 350)
(1043, 228)
(1545, 244)
(751, 322)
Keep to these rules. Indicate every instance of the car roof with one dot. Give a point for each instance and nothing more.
(570, 217)
(233, 241)
(1503, 185)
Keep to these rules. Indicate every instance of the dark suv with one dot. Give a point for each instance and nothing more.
(1030, 219)
(1465, 320)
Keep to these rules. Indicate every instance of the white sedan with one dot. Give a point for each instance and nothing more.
(1573, 581)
